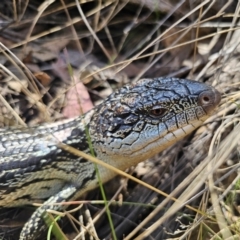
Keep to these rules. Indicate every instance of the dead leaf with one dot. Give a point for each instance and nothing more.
(78, 101)
(17, 86)
(43, 78)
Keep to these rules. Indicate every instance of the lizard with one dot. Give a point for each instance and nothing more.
(133, 124)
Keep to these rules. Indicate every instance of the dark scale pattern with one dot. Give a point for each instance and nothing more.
(130, 126)
(126, 109)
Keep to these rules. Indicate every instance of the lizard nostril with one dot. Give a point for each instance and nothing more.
(206, 99)
(209, 100)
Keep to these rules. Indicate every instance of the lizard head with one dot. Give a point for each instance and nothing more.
(144, 118)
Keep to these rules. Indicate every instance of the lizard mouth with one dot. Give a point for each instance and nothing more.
(209, 100)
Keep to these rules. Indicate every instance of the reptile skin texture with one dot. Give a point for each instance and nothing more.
(130, 126)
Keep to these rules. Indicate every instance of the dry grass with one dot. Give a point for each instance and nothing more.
(120, 40)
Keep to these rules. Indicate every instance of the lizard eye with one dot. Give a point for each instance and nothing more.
(158, 111)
